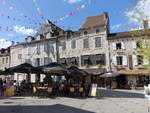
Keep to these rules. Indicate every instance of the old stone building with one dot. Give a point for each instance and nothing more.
(4, 58)
(125, 58)
(92, 48)
(87, 47)
(37, 51)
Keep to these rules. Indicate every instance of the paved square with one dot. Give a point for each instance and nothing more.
(109, 101)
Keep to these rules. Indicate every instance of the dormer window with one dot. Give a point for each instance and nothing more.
(97, 31)
(85, 32)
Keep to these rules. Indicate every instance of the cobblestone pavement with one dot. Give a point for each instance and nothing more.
(109, 101)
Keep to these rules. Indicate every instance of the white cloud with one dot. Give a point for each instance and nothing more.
(115, 27)
(140, 11)
(72, 1)
(4, 43)
(23, 30)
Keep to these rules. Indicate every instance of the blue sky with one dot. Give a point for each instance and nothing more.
(14, 12)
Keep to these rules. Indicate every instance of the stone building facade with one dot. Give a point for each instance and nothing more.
(88, 47)
(4, 58)
(92, 48)
(37, 51)
(124, 55)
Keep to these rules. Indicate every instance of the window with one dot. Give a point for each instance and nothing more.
(118, 46)
(86, 43)
(29, 51)
(37, 62)
(47, 60)
(73, 44)
(85, 32)
(139, 59)
(87, 62)
(28, 61)
(98, 42)
(139, 44)
(119, 60)
(6, 60)
(3, 60)
(97, 31)
(74, 61)
(38, 49)
(19, 56)
(100, 59)
(63, 45)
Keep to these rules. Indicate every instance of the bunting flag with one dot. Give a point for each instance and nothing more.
(32, 23)
(40, 13)
(70, 14)
(13, 8)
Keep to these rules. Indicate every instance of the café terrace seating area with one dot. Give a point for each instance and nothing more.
(73, 82)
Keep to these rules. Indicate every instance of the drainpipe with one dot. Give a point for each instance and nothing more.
(57, 49)
(110, 68)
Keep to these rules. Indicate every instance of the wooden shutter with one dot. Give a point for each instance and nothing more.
(41, 61)
(145, 61)
(134, 59)
(122, 45)
(125, 61)
(114, 46)
(134, 44)
(114, 61)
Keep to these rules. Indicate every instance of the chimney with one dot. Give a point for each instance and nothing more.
(145, 24)
(12, 43)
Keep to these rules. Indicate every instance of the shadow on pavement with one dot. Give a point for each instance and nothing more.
(119, 94)
(57, 108)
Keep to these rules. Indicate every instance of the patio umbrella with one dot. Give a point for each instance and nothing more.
(74, 71)
(23, 68)
(53, 68)
(109, 75)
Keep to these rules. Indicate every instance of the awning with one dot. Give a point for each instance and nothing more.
(109, 75)
(135, 72)
(98, 57)
(85, 57)
(95, 71)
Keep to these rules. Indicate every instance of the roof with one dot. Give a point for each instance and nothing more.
(35, 41)
(48, 27)
(4, 52)
(95, 21)
(135, 33)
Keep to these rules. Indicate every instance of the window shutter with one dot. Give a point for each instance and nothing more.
(123, 45)
(125, 61)
(41, 61)
(114, 61)
(34, 62)
(114, 46)
(46, 47)
(134, 45)
(38, 49)
(134, 59)
(93, 59)
(145, 61)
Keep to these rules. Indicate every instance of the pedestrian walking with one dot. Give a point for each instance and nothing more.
(1, 87)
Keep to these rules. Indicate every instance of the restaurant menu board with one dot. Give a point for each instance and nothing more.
(93, 90)
(147, 91)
